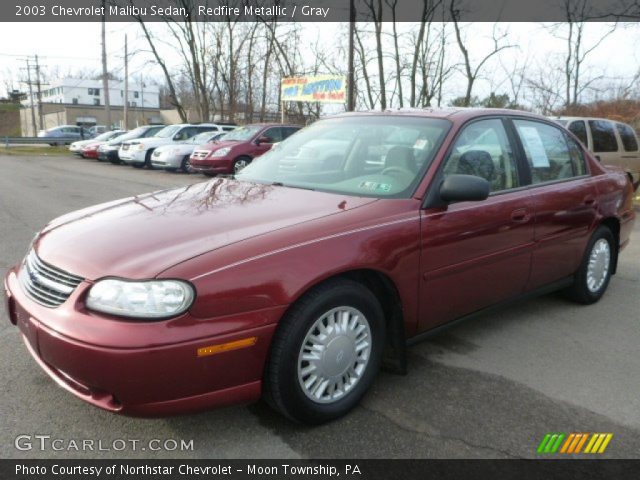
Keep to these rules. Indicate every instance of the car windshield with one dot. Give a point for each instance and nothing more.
(168, 131)
(200, 138)
(369, 156)
(242, 134)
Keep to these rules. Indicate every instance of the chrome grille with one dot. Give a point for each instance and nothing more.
(200, 154)
(46, 284)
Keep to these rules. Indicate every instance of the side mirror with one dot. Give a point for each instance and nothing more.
(263, 139)
(464, 188)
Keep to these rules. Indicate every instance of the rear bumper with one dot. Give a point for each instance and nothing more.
(146, 380)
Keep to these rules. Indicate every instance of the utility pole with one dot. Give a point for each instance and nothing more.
(125, 112)
(39, 85)
(33, 112)
(351, 101)
(105, 73)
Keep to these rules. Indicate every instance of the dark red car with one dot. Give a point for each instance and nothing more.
(354, 238)
(238, 148)
(90, 151)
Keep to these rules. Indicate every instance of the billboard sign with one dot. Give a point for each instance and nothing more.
(322, 88)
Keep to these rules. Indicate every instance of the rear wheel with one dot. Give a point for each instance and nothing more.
(240, 163)
(592, 278)
(326, 352)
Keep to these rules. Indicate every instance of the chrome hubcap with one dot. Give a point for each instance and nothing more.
(598, 268)
(240, 164)
(334, 354)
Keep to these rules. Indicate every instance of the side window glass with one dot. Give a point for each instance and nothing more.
(547, 151)
(274, 134)
(628, 136)
(288, 131)
(604, 138)
(482, 149)
(579, 129)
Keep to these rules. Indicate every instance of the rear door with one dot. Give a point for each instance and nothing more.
(475, 254)
(564, 199)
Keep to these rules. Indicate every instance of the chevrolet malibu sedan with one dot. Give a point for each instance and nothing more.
(298, 284)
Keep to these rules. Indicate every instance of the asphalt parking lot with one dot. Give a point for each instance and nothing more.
(491, 388)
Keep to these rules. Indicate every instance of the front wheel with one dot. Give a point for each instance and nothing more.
(185, 166)
(592, 278)
(326, 352)
(240, 163)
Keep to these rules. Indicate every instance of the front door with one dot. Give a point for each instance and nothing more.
(475, 254)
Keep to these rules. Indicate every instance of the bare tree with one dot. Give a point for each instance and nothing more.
(573, 32)
(471, 71)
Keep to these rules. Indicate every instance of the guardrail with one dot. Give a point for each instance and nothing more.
(8, 141)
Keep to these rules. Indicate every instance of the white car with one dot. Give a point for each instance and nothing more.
(76, 147)
(137, 153)
(176, 156)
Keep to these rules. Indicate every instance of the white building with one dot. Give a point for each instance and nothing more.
(75, 91)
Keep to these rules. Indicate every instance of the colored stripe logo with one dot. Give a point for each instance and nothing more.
(574, 443)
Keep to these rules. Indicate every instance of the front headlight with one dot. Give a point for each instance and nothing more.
(141, 299)
(221, 153)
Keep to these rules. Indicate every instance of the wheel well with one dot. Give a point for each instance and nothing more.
(613, 224)
(394, 358)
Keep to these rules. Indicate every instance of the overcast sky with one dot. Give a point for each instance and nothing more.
(76, 46)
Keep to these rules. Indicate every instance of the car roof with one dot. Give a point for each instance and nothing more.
(451, 113)
(588, 118)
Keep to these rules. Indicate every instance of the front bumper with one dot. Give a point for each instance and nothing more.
(166, 160)
(108, 155)
(151, 378)
(217, 165)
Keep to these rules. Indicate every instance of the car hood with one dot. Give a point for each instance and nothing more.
(218, 145)
(182, 148)
(150, 141)
(142, 236)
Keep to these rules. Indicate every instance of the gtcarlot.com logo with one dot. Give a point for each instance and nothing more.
(48, 443)
(574, 443)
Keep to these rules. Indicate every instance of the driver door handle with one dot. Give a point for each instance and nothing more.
(521, 215)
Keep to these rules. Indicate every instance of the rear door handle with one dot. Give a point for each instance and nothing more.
(590, 200)
(520, 215)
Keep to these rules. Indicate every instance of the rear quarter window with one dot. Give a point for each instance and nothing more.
(628, 136)
(603, 135)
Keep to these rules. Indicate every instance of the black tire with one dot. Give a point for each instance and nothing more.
(147, 160)
(185, 165)
(240, 161)
(580, 291)
(282, 388)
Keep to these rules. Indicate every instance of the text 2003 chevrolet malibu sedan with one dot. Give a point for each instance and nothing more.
(296, 279)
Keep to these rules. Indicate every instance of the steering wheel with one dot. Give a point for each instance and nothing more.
(396, 169)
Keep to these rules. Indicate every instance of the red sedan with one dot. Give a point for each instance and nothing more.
(357, 236)
(238, 148)
(90, 151)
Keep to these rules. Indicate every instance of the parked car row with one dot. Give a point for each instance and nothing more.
(207, 148)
